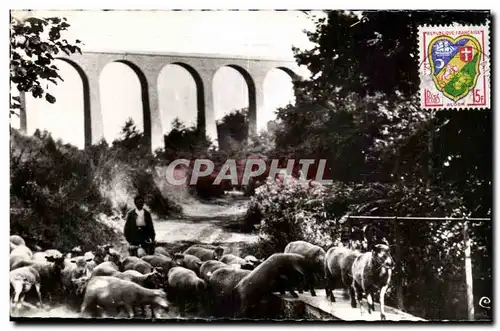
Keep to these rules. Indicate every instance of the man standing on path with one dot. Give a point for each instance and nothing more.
(139, 229)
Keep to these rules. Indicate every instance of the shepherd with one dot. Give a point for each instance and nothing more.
(139, 230)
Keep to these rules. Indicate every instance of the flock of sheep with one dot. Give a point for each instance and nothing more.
(102, 282)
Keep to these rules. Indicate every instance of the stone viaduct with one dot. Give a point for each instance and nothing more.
(147, 66)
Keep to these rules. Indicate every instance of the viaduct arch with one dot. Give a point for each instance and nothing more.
(147, 67)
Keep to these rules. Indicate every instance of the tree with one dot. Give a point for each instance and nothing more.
(232, 129)
(359, 110)
(34, 44)
(368, 52)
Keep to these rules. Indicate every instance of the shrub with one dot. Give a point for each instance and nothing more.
(54, 199)
(292, 210)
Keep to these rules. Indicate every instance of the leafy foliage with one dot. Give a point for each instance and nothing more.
(293, 210)
(359, 110)
(364, 54)
(34, 44)
(53, 195)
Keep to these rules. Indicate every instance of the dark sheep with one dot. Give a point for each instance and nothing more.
(205, 254)
(279, 271)
(313, 253)
(221, 284)
(338, 265)
(184, 286)
(112, 293)
(208, 268)
(151, 280)
(98, 255)
(136, 264)
(160, 261)
(371, 271)
(161, 251)
(115, 257)
(188, 261)
(129, 260)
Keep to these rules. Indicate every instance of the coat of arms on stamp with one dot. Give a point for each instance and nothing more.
(455, 67)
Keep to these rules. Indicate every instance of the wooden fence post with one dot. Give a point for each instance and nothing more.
(468, 272)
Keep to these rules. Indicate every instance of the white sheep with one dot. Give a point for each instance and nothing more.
(21, 252)
(22, 280)
(111, 292)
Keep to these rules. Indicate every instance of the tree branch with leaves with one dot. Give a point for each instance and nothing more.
(34, 45)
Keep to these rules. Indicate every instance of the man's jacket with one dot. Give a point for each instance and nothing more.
(131, 232)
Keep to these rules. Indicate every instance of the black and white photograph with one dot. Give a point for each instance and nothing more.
(241, 165)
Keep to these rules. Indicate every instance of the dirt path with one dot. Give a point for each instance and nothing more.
(218, 222)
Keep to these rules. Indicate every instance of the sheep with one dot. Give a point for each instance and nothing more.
(188, 261)
(160, 261)
(205, 254)
(208, 268)
(17, 240)
(269, 276)
(22, 280)
(135, 263)
(98, 255)
(311, 252)
(337, 267)
(113, 293)
(111, 258)
(53, 252)
(41, 256)
(371, 271)
(161, 251)
(90, 255)
(21, 252)
(184, 284)
(153, 279)
(49, 271)
(105, 269)
(76, 268)
(246, 263)
(221, 284)
(129, 260)
(253, 260)
(114, 256)
(75, 251)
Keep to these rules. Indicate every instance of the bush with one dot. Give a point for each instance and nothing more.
(293, 210)
(54, 199)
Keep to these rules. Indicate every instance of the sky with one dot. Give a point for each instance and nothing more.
(243, 33)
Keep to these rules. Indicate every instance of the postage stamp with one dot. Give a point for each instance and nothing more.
(454, 67)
